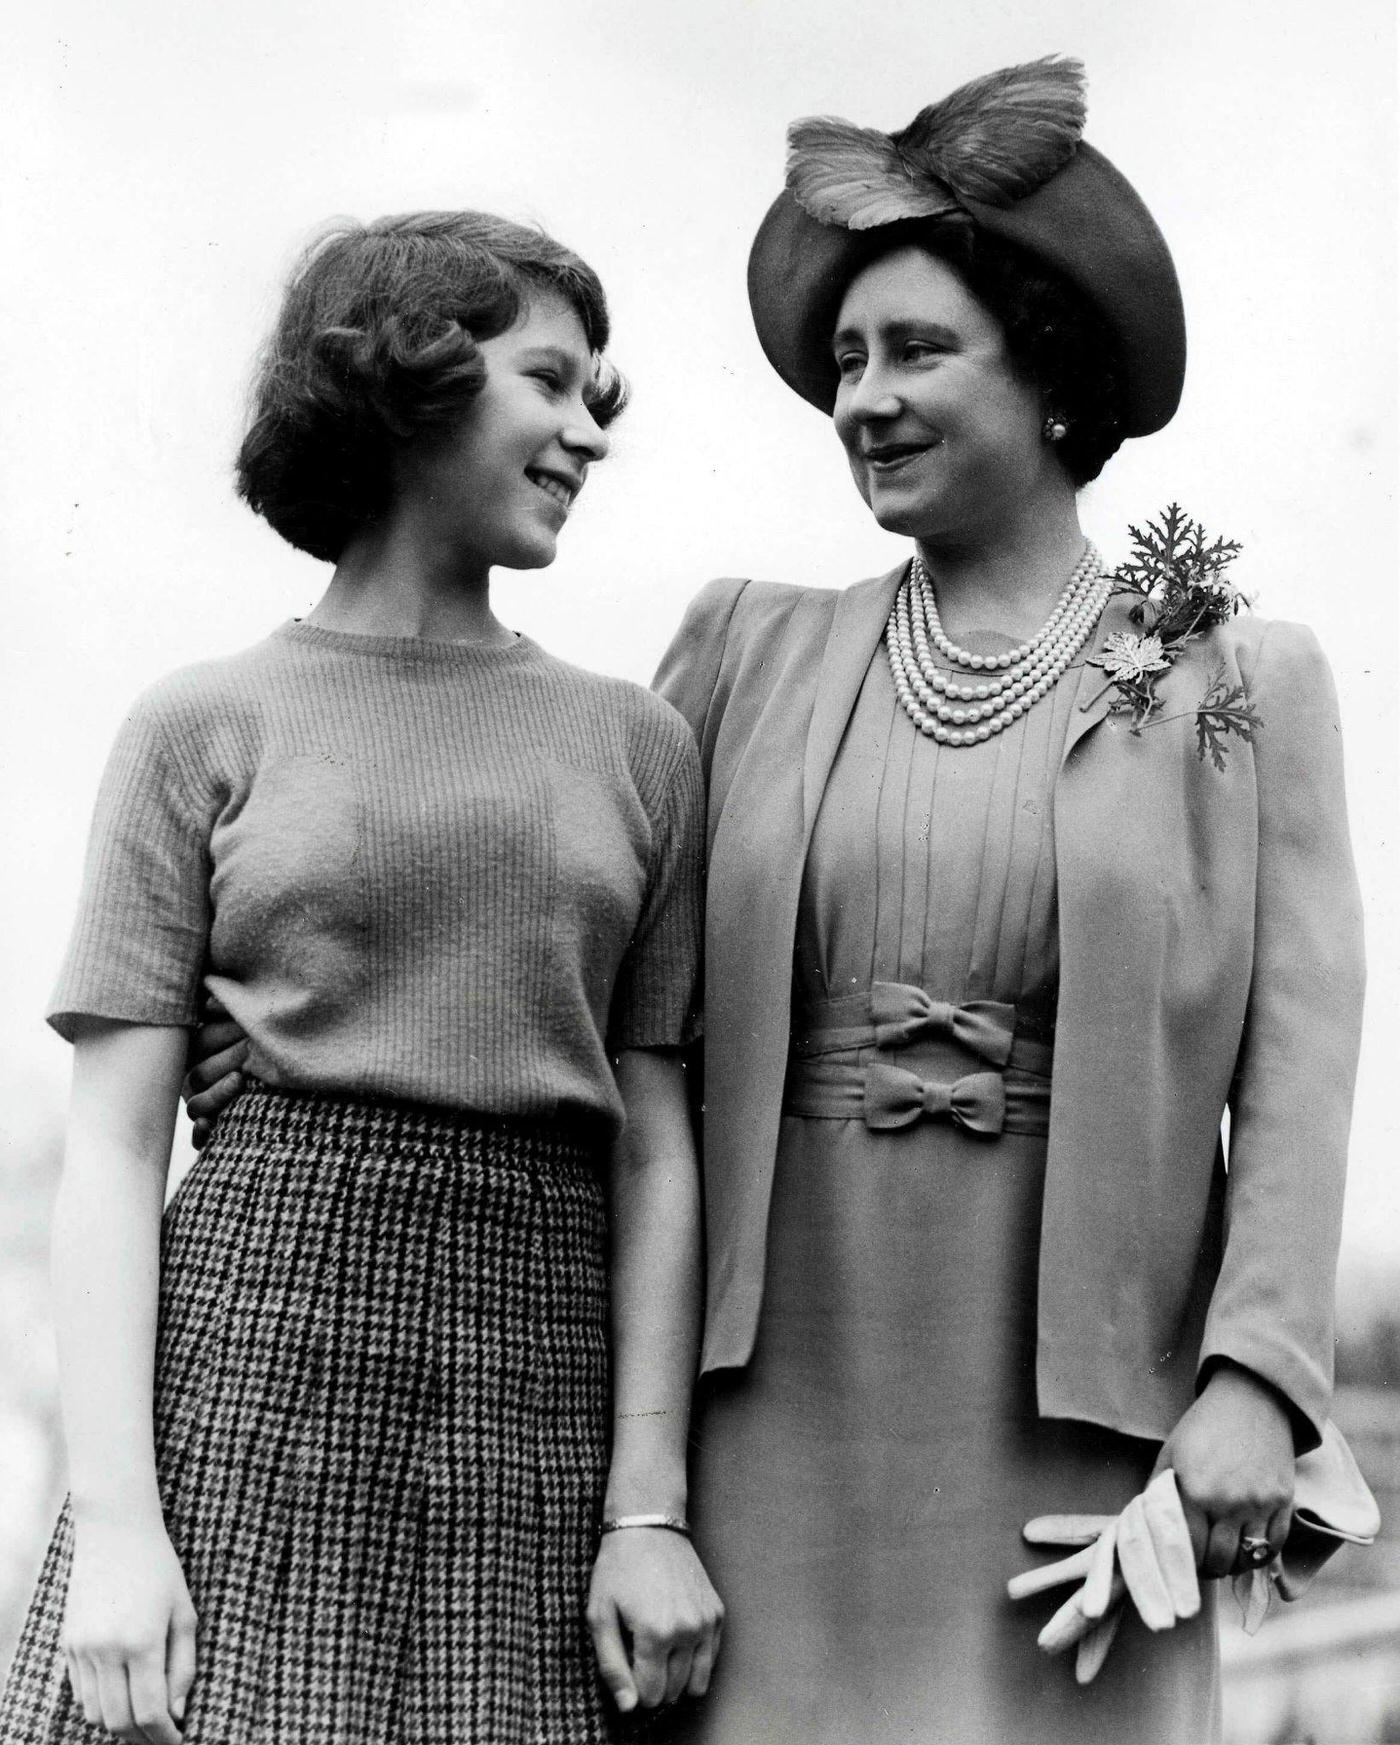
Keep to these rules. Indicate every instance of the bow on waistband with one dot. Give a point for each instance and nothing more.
(895, 1098)
(900, 1012)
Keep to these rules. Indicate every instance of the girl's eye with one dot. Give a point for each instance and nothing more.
(551, 379)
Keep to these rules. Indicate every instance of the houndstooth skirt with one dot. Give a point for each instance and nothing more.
(381, 1389)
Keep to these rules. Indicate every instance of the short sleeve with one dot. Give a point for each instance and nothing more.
(654, 1000)
(138, 945)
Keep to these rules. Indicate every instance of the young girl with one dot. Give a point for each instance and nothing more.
(337, 1431)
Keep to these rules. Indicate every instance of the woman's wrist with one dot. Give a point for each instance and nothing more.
(1231, 1379)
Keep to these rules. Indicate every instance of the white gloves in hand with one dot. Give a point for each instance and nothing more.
(1145, 1552)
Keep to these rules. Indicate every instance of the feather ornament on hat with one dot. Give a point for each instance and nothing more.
(993, 140)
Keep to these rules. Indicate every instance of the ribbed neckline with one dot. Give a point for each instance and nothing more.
(417, 650)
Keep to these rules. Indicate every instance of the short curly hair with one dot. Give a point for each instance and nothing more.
(377, 340)
(1056, 340)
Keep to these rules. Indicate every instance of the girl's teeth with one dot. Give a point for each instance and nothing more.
(552, 488)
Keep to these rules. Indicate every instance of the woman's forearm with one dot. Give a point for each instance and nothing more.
(655, 1203)
(106, 1262)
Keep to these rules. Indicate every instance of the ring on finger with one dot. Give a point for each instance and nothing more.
(1254, 1553)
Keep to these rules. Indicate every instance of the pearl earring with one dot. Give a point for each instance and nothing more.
(1054, 428)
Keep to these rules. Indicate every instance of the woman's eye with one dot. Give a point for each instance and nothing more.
(850, 365)
(551, 379)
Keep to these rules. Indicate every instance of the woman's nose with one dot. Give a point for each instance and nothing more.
(870, 399)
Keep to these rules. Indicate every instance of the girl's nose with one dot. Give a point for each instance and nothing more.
(584, 436)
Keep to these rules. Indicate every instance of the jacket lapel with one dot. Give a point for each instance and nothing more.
(856, 628)
(1095, 693)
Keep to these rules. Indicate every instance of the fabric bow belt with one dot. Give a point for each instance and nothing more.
(901, 1012)
(892, 1015)
(896, 1098)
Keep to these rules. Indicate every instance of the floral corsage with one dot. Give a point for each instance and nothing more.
(1177, 578)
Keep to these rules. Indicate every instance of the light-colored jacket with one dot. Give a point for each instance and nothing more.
(1210, 955)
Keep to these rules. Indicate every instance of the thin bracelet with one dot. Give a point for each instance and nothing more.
(672, 1523)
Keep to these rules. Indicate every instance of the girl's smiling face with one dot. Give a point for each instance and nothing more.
(500, 483)
(943, 437)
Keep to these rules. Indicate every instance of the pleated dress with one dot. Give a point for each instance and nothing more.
(860, 1488)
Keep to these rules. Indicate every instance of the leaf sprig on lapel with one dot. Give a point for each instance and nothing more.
(1176, 575)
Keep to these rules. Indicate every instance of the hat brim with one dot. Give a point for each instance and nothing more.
(1086, 222)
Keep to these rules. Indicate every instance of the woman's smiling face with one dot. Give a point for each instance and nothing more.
(943, 437)
(500, 483)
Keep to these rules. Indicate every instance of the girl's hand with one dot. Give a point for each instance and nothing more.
(1232, 1453)
(129, 1632)
(655, 1618)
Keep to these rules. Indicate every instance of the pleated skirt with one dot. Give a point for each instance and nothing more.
(381, 1392)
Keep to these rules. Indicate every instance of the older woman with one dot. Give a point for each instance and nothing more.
(984, 970)
(338, 1432)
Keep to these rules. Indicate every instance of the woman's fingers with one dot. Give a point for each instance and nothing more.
(1222, 1548)
(1137, 1558)
(614, 1667)
(213, 1038)
(1280, 1525)
(209, 1105)
(213, 1067)
(1171, 1540)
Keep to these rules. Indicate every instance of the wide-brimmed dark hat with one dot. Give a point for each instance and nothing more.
(1004, 151)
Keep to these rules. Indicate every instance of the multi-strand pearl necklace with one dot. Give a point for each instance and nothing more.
(1008, 684)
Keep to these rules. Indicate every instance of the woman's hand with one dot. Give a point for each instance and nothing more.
(654, 1616)
(129, 1632)
(218, 1052)
(1232, 1453)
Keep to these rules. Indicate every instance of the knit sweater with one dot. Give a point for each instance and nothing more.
(414, 869)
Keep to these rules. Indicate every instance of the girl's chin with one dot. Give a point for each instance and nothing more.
(534, 554)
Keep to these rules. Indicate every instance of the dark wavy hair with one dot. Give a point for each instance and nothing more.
(377, 340)
(1055, 338)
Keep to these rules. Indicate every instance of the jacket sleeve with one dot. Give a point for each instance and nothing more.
(1290, 1106)
(689, 670)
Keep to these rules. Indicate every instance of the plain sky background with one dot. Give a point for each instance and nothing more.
(161, 163)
